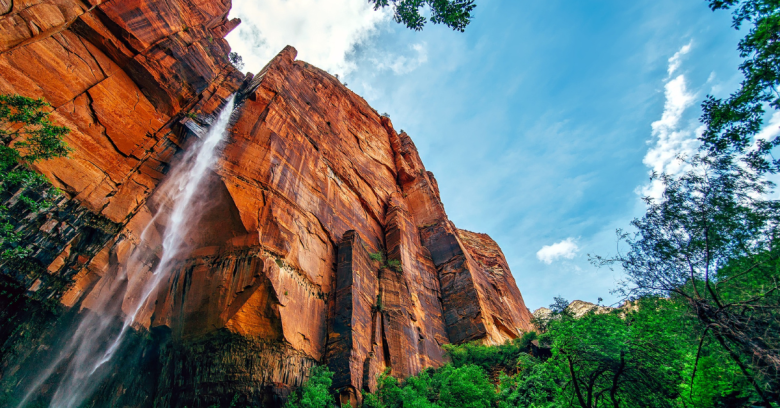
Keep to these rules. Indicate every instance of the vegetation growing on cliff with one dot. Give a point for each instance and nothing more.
(315, 393)
(27, 136)
(385, 262)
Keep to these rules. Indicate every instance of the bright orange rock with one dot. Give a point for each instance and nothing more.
(311, 182)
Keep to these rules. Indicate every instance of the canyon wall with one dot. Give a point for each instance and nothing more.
(322, 238)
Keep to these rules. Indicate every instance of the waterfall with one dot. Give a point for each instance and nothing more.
(96, 340)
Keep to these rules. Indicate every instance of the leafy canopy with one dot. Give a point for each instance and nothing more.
(449, 386)
(732, 123)
(315, 393)
(455, 14)
(504, 356)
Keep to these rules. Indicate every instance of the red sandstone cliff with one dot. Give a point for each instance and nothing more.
(310, 183)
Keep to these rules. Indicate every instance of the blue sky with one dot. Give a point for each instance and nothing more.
(540, 122)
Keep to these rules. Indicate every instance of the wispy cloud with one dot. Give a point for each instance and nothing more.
(566, 249)
(323, 31)
(671, 137)
(401, 64)
(676, 60)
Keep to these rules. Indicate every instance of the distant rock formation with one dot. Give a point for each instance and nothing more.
(311, 182)
(579, 308)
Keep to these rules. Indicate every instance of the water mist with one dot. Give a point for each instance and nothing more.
(97, 338)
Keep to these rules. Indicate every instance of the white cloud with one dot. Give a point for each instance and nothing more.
(323, 31)
(672, 138)
(676, 60)
(402, 64)
(772, 128)
(565, 249)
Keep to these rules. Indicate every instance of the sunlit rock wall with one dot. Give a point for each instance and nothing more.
(119, 74)
(319, 181)
(280, 276)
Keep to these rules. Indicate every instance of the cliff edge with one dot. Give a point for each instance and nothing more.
(324, 239)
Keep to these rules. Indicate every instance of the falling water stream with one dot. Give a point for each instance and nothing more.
(96, 340)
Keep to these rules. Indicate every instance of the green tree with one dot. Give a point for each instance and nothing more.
(646, 354)
(315, 393)
(614, 360)
(27, 136)
(711, 239)
(489, 358)
(733, 122)
(536, 384)
(455, 14)
(447, 387)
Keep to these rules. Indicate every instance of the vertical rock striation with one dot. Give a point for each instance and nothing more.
(324, 239)
(353, 337)
(118, 74)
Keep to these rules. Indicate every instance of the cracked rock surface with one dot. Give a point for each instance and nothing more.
(310, 183)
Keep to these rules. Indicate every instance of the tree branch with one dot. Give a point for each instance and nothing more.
(696, 362)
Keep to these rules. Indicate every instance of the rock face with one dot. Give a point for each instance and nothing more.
(324, 239)
(577, 309)
(118, 74)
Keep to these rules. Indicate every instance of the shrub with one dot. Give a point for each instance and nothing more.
(448, 386)
(376, 256)
(490, 357)
(394, 264)
(315, 393)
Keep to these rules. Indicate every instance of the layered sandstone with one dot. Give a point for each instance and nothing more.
(313, 181)
(118, 74)
(121, 75)
(324, 239)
